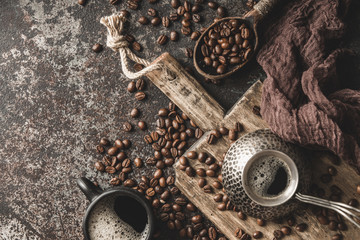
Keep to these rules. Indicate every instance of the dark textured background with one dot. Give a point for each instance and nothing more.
(58, 98)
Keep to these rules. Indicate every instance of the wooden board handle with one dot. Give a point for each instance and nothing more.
(187, 93)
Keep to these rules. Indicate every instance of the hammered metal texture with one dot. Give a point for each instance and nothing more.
(237, 156)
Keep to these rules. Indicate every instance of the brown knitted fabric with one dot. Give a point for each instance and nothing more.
(306, 96)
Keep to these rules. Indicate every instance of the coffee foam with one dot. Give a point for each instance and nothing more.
(104, 223)
(262, 172)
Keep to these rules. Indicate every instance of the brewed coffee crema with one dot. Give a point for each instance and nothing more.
(268, 176)
(104, 223)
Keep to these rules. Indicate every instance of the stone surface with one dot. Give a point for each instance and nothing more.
(58, 98)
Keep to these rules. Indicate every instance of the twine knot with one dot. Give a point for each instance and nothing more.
(115, 26)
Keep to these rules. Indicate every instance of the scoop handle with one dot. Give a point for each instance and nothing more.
(262, 9)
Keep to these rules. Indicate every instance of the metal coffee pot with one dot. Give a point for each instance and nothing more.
(261, 161)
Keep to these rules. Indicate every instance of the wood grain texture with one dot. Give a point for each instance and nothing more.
(193, 99)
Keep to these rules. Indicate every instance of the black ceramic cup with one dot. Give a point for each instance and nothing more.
(96, 194)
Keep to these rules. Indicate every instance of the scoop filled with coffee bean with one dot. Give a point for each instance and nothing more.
(229, 43)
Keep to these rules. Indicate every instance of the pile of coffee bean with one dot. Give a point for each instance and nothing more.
(226, 45)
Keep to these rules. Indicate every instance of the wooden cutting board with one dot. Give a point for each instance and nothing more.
(196, 103)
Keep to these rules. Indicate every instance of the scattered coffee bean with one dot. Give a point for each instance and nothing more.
(322, 219)
(195, 35)
(190, 171)
(173, 17)
(239, 232)
(196, 18)
(99, 166)
(174, 36)
(127, 127)
(208, 189)
(199, 133)
(162, 39)
(138, 162)
(201, 172)
(155, 21)
(286, 230)
(100, 149)
(134, 113)
(82, 2)
(201, 182)
(257, 234)
(151, 12)
(133, 5)
(189, 52)
(301, 227)
(212, 5)
(192, 154)
(196, 219)
(333, 226)
(358, 189)
(217, 185)
(241, 215)
(260, 222)
(142, 125)
(212, 233)
(129, 183)
(190, 207)
(140, 84)
(175, 3)
(165, 195)
(143, 20)
(125, 14)
(140, 96)
(221, 12)
(136, 46)
(186, 31)
(97, 48)
(165, 21)
(131, 87)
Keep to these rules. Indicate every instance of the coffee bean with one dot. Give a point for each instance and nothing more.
(217, 185)
(151, 12)
(278, 234)
(212, 233)
(189, 171)
(97, 48)
(181, 201)
(82, 2)
(358, 189)
(115, 181)
(221, 11)
(175, 3)
(131, 87)
(182, 233)
(170, 180)
(127, 127)
(140, 84)
(221, 206)
(196, 219)
(190, 207)
(129, 183)
(199, 133)
(104, 142)
(174, 36)
(208, 189)
(212, 5)
(140, 96)
(143, 20)
(218, 197)
(260, 222)
(337, 236)
(164, 217)
(165, 195)
(180, 10)
(100, 149)
(134, 113)
(189, 52)
(195, 35)
(158, 174)
(181, 145)
(196, 18)
(162, 39)
(192, 154)
(232, 135)
(99, 166)
(173, 17)
(183, 161)
(136, 46)
(189, 232)
(257, 234)
(209, 160)
(186, 31)
(210, 173)
(126, 163)
(150, 192)
(180, 216)
(165, 21)
(201, 172)
(301, 227)
(241, 215)
(239, 232)
(132, 4)
(155, 21)
(211, 139)
(156, 203)
(201, 182)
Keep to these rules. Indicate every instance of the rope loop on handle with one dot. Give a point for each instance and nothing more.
(117, 42)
